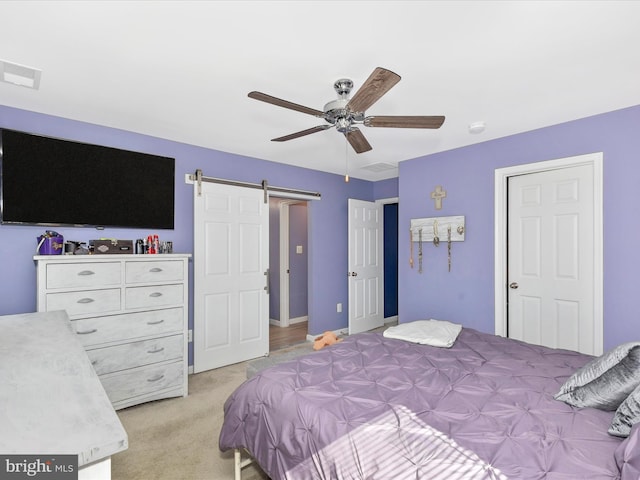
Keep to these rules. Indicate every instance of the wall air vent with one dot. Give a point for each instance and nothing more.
(20, 75)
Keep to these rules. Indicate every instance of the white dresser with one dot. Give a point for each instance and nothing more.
(130, 313)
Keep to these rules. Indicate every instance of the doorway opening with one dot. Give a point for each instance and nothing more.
(288, 272)
(390, 264)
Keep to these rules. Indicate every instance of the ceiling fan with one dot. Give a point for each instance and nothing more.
(345, 113)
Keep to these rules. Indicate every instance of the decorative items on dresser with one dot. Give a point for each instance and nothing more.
(130, 313)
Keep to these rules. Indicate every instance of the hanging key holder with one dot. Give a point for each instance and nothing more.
(410, 248)
(420, 251)
(449, 247)
(428, 230)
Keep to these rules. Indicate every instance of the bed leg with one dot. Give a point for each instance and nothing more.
(240, 463)
(238, 467)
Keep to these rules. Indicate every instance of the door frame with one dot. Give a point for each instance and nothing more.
(284, 226)
(500, 236)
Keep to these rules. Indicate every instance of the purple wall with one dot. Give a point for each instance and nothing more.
(466, 295)
(327, 217)
(386, 188)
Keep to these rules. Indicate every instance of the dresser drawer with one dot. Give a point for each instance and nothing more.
(155, 296)
(128, 326)
(84, 302)
(88, 274)
(136, 354)
(156, 271)
(142, 380)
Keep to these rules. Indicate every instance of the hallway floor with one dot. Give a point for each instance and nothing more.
(280, 337)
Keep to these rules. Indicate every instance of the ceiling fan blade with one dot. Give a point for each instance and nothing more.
(404, 121)
(302, 133)
(263, 97)
(357, 140)
(378, 83)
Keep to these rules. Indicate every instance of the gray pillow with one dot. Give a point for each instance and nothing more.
(627, 415)
(606, 381)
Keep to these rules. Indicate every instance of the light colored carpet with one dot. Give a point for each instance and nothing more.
(177, 438)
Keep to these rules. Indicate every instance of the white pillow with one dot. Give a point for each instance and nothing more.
(437, 333)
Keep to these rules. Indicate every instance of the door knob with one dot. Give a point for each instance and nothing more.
(513, 285)
(352, 274)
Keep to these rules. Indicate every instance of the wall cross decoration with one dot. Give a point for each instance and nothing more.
(438, 194)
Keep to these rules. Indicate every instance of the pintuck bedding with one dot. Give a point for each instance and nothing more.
(372, 407)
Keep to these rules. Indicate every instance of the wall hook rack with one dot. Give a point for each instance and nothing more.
(436, 227)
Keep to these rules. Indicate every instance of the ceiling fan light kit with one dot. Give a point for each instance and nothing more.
(344, 113)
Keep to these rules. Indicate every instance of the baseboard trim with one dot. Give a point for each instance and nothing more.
(277, 323)
(304, 318)
(390, 320)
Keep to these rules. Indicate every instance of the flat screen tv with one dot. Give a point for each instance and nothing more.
(50, 181)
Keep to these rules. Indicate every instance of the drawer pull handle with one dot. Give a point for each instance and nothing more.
(155, 270)
(86, 300)
(87, 332)
(156, 294)
(155, 322)
(85, 273)
(156, 350)
(155, 379)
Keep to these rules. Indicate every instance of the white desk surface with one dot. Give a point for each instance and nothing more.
(51, 400)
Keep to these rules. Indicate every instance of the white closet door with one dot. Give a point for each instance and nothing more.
(231, 256)
(551, 258)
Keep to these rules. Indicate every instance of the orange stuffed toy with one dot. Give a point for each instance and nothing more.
(327, 338)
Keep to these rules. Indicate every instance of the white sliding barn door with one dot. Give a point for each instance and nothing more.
(231, 260)
(551, 258)
(366, 301)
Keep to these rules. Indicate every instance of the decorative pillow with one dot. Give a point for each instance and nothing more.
(627, 415)
(605, 381)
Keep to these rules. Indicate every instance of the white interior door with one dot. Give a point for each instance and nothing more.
(366, 301)
(551, 258)
(231, 258)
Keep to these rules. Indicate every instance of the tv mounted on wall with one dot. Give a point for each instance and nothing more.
(50, 181)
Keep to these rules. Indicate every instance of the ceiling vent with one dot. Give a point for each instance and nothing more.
(20, 75)
(379, 167)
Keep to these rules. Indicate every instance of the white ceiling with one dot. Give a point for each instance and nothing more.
(182, 70)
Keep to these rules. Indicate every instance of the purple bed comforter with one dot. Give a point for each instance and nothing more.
(377, 408)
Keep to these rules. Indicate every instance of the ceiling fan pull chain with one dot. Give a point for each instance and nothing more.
(346, 160)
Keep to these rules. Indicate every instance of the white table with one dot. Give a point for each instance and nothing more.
(51, 400)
